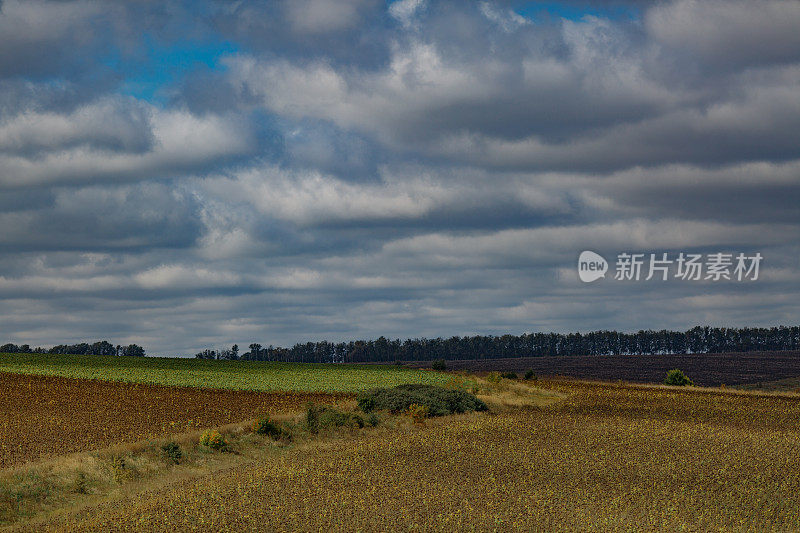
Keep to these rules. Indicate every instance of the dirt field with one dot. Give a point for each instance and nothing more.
(704, 369)
(48, 416)
(608, 457)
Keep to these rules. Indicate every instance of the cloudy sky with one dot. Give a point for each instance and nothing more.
(187, 175)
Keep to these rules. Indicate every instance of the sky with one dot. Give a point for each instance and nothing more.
(189, 175)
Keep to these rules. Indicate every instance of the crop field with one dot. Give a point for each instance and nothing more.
(608, 457)
(705, 369)
(239, 375)
(42, 416)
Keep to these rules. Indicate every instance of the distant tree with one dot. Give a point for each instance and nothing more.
(82, 348)
(255, 352)
(677, 377)
(439, 364)
(133, 350)
(102, 348)
(231, 354)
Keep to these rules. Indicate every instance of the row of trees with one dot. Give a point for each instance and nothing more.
(83, 348)
(231, 354)
(695, 340)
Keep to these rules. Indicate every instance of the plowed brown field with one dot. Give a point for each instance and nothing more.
(50, 416)
(733, 368)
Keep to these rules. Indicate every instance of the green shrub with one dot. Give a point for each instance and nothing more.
(373, 420)
(417, 412)
(366, 403)
(312, 417)
(119, 467)
(173, 452)
(493, 377)
(265, 426)
(319, 417)
(439, 364)
(676, 377)
(438, 401)
(530, 375)
(81, 484)
(213, 439)
(509, 375)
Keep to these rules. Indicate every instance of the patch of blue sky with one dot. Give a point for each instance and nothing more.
(577, 10)
(151, 72)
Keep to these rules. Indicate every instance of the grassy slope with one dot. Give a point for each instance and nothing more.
(41, 491)
(240, 375)
(608, 458)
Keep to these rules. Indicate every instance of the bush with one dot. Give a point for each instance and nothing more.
(320, 417)
(173, 452)
(417, 412)
(366, 403)
(121, 470)
(509, 375)
(373, 420)
(439, 364)
(438, 401)
(213, 439)
(493, 377)
(676, 377)
(530, 375)
(265, 426)
(81, 484)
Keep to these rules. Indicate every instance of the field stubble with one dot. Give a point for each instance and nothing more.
(606, 457)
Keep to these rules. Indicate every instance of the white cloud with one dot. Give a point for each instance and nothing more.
(181, 142)
(403, 168)
(324, 16)
(114, 124)
(185, 276)
(384, 103)
(405, 10)
(507, 20)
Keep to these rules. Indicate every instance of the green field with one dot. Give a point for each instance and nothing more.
(238, 375)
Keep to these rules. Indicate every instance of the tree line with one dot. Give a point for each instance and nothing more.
(696, 340)
(83, 348)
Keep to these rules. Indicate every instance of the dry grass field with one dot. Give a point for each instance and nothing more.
(608, 457)
(43, 416)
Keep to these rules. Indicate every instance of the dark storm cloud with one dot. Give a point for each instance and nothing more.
(193, 174)
(102, 219)
(728, 34)
(40, 39)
